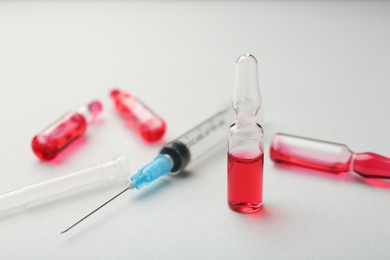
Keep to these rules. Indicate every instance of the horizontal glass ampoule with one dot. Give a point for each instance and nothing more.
(113, 172)
(53, 139)
(138, 116)
(327, 156)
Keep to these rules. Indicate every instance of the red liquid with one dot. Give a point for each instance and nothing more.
(138, 116)
(369, 165)
(372, 165)
(282, 155)
(245, 183)
(49, 143)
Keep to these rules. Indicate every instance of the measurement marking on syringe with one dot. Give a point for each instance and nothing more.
(204, 134)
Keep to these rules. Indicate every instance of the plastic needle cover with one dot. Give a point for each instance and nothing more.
(110, 173)
(327, 156)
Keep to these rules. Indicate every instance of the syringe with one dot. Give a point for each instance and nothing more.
(176, 155)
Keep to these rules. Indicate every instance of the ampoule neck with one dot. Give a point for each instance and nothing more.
(90, 111)
(246, 120)
(246, 117)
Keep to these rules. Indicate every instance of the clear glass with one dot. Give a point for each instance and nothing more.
(327, 156)
(110, 173)
(245, 141)
(246, 94)
(310, 153)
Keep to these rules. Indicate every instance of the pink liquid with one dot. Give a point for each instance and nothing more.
(284, 155)
(138, 116)
(245, 183)
(52, 140)
(47, 145)
(372, 165)
(369, 165)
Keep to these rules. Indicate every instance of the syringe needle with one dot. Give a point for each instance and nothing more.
(101, 206)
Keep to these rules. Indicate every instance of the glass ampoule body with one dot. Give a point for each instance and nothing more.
(327, 156)
(245, 167)
(48, 143)
(245, 141)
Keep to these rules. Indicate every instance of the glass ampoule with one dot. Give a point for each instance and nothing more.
(138, 116)
(245, 141)
(53, 139)
(327, 156)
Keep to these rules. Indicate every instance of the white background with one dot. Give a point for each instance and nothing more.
(324, 72)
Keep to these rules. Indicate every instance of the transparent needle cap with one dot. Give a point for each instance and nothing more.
(246, 95)
(110, 173)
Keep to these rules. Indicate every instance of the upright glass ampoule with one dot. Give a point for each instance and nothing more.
(245, 140)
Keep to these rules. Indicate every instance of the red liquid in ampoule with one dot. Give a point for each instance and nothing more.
(52, 140)
(245, 183)
(138, 116)
(290, 156)
(372, 165)
(47, 145)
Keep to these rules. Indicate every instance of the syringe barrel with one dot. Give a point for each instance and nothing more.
(311, 153)
(106, 174)
(199, 140)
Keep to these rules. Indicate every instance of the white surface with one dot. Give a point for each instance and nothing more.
(324, 74)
